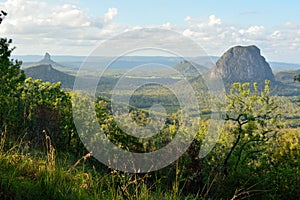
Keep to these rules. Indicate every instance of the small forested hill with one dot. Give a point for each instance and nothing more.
(190, 69)
(47, 73)
(281, 66)
(288, 77)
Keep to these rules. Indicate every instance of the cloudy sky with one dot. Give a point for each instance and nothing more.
(77, 27)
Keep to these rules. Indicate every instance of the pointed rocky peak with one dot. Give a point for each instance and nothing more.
(47, 63)
(47, 56)
(47, 60)
(243, 64)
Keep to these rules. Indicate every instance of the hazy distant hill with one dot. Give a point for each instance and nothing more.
(281, 66)
(207, 61)
(47, 73)
(243, 64)
(74, 62)
(190, 69)
(46, 60)
(288, 77)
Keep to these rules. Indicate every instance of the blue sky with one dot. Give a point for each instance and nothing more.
(268, 13)
(75, 27)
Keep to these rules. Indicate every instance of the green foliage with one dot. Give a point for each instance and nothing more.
(297, 78)
(47, 108)
(255, 121)
(141, 118)
(29, 177)
(28, 107)
(283, 159)
(255, 157)
(11, 78)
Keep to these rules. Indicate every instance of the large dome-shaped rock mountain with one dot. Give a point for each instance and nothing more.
(242, 64)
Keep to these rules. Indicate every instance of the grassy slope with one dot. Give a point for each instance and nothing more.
(24, 176)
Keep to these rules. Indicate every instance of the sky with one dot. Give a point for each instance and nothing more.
(77, 27)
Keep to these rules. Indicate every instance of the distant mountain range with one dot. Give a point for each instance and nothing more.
(281, 66)
(238, 64)
(287, 77)
(190, 69)
(74, 62)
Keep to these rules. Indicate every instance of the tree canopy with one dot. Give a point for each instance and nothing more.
(11, 78)
(297, 78)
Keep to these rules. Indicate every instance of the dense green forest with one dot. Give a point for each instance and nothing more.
(42, 156)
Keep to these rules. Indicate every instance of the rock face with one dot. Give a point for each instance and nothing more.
(47, 57)
(243, 64)
(47, 61)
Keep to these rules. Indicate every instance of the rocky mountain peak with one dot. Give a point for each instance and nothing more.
(47, 56)
(47, 61)
(243, 64)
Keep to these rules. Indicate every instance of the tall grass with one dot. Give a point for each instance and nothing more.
(26, 176)
(31, 174)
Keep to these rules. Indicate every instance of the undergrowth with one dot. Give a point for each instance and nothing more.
(38, 175)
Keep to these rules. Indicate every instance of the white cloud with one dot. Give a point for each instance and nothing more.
(36, 26)
(213, 20)
(290, 25)
(187, 18)
(252, 30)
(187, 33)
(276, 35)
(68, 15)
(111, 13)
(167, 25)
(40, 18)
(216, 37)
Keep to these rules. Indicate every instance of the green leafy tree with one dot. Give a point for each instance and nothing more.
(297, 78)
(11, 78)
(47, 108)
(254, 123)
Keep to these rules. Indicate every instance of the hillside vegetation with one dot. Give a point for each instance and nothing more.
(42, 156)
